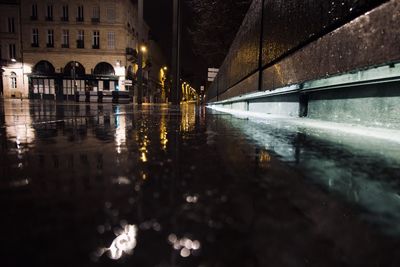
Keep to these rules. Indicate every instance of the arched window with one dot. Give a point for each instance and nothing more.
(43, 67)
(13, 80)
(74, 66)
(104, 68)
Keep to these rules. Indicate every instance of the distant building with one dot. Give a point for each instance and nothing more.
(52, 49)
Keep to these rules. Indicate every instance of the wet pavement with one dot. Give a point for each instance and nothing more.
(115, 185)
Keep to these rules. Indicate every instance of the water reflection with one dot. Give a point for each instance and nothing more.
(124, 243)
(120, 133)
(201, 189)
(18, 124)
(188, 119)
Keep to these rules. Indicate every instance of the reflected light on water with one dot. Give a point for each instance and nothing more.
(18, 124)
(185, 245)
(163, 133)
(124, 243)
(120, 133)
(188, 120)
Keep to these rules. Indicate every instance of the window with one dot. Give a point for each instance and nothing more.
(49, 16)
(50, 38)
(65, 39)
(65, 13)
(35, 38)
(111, 16)
(80, 14)
(111, 40)
(11, 25)
(12, 51)
(34, 13)
(80, 43)
(13, 80)
(96, 40)
(96, 14)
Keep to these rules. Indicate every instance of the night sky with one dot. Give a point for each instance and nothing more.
(158, 14)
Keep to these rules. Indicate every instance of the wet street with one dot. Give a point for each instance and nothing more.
(117, 185)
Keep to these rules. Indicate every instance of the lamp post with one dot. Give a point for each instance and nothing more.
(175, 90)
(140, 54)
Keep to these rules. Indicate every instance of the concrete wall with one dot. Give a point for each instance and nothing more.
(310, 47)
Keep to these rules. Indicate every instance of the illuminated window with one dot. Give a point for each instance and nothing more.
(11, 25)
(96, 14)
(111, 40)
(49, 16)
(80, 15)
(111, 14)
(35, 38)
(13, 80)
(34, 12)
(50, 38)
(96, 40)
(65, 39)
(12, 51)
(81, 39)
(65, 13)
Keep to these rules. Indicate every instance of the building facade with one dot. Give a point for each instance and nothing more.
(52, 49)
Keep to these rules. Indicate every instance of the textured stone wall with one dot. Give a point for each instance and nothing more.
(290, 27)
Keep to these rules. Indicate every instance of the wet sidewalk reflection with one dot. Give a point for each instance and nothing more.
(115, 185)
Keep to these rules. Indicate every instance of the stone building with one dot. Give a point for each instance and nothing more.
(52, 49)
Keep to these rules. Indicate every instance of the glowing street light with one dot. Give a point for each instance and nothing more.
(143, 49)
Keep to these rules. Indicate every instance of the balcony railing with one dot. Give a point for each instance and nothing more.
(95, 20)
(80, 44)
(65, 46)
(64, 19)
(34, 45)
(79, 19)
(34, 17)
(96, 46)
(49, 45)
(131, 52)
(49, 18)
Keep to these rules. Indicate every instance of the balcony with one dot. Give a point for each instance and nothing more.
(79, 19)
(96, 46)
(131, 52)
(65, 19)
(80, 44)
(34, 18)
(65, 46)
(50, 45)
(49, 18)
(95, 20)
(35, 45)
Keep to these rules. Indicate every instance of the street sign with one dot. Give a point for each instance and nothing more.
(212, 73)
(127, 82)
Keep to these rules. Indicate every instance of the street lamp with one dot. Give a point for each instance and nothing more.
(140, 55)
(143, 49)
